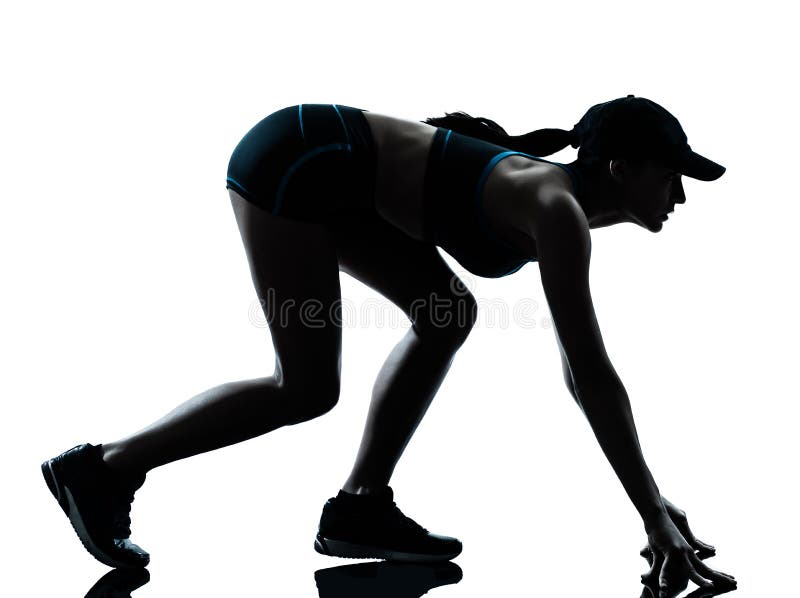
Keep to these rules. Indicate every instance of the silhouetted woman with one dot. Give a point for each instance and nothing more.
(319, 188)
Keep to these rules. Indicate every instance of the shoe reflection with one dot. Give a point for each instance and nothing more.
(119, 583)
(385, 579)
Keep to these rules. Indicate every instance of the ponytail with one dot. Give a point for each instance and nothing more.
(541, 142)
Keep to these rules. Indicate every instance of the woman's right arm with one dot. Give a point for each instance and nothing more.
(563, 243)
(564, 248)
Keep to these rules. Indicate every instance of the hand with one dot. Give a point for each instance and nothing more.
(675, 563)
(678, 517)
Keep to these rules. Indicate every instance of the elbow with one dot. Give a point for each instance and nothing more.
(606, 383)
(574, 395)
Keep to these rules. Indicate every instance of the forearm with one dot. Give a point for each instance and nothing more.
(608, 410)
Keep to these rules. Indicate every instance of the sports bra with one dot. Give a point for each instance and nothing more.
(453, 216)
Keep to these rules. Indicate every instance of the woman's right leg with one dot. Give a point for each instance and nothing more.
(296, 275)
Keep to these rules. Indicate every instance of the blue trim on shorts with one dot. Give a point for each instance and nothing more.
(300, 118)
(237, 183)
(341, 120)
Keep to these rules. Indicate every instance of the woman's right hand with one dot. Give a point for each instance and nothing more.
(678, 517)
(675, 563)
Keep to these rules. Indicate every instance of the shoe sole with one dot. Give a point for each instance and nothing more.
(65, 500)
(348, 550)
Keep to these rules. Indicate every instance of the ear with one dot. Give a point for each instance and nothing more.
(617, 168)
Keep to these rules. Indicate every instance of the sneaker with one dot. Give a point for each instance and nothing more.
(98, 502)
(370, 526)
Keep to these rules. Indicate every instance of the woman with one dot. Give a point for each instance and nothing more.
(319, 188)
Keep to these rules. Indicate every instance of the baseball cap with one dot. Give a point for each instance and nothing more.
(638, 126)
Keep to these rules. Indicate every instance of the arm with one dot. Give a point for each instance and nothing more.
(567, 374)
(564, 246)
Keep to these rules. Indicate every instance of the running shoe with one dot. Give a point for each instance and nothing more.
(97, 502)
(371, 526)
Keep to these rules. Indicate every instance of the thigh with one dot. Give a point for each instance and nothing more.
(410, 273)
(296, 276)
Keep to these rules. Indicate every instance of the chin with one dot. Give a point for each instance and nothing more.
(654, 226)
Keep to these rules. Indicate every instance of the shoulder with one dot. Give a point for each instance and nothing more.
(531, 202)
(553, 216)
(560, 218)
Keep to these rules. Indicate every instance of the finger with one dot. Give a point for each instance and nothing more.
(667, 580)
(686, 532)
(651, 577)
(706, 550)
(703, 547)
(705, 554)
(694, 542)
(683, 527)
(663, 586)
(699, 579)
(709, 573)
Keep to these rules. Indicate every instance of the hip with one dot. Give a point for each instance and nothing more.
(308, 161)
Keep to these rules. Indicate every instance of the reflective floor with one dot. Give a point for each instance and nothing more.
(368, 579)
(224, 559)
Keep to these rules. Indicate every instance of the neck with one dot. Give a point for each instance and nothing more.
(597, 197)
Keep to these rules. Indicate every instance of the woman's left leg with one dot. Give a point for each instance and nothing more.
(412, 275)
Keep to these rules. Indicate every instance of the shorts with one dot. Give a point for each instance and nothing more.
(312, 162)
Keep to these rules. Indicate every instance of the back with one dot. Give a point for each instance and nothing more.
(453, 211)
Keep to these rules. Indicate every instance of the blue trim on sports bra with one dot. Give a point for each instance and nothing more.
(479, 189)
(444, 145)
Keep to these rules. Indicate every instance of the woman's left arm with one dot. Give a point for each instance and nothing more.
(677, 515)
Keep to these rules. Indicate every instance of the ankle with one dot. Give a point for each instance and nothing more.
(363, 490)
(114, 459)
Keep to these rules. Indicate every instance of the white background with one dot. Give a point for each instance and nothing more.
(127, 291)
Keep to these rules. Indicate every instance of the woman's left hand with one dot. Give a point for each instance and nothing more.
(678, 517)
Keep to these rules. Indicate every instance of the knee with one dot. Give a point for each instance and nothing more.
(311, 397)
(447, 320)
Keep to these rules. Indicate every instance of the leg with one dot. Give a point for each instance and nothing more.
(293, 264)
(405, 271)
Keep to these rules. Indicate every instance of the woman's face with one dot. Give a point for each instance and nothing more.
(649, 191)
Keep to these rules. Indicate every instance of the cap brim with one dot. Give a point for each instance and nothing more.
(695, 166)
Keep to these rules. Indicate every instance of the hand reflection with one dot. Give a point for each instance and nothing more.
(651, 583)
(386, 579)
(651, 591)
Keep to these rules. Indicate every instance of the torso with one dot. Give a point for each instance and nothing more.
(402, 151)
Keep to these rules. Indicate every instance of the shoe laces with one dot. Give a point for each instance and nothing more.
(403, 521)
(121, 491)
(120, 502)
